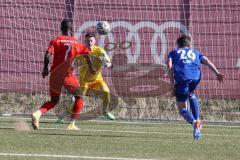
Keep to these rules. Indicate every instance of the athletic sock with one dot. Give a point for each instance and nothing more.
(78, 105)
(46, 107)
(194, 106)
(187, 115)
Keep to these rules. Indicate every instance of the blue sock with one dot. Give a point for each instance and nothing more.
(187, 115)
(194, 106)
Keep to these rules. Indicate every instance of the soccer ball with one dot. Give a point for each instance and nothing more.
(103, 27)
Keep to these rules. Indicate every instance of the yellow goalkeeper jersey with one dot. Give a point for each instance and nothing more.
(99, 59)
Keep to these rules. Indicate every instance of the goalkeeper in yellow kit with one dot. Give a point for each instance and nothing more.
(95, 81)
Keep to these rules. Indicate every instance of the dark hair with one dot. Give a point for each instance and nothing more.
(66, 25)
(184, 41)
(90, 34)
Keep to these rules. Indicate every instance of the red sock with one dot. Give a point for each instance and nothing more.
(46, 107)
(78, 105)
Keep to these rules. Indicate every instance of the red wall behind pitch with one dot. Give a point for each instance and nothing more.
(27, 27)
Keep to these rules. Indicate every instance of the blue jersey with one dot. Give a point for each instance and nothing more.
(186, 64)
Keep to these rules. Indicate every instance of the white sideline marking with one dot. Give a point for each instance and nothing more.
(129, 131)
(67, 156)
(132, 122)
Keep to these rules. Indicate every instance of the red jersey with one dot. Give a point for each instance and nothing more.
(64, 49)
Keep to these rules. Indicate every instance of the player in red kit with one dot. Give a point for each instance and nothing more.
(64, 49)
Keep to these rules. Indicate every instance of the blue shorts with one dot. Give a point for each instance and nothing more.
(183, 89)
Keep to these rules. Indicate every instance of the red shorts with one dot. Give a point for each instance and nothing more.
(56, 82)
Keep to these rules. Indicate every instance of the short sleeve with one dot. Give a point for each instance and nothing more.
(170, 55)
(101, 51)
(103, 54)
(51, 46)
(201, 55)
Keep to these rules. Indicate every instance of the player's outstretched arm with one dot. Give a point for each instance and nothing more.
(212, 67)
(45, 70)
(89, 62)
(170, 74)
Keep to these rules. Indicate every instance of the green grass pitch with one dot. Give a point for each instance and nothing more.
(114, 140)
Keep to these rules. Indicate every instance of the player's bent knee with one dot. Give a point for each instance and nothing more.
(106, 95)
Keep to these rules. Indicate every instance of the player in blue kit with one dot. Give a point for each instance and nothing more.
(184, 66)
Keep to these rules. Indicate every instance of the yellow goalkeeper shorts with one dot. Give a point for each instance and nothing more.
(98, 84)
